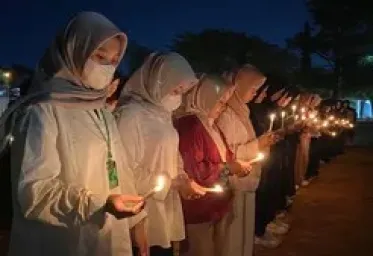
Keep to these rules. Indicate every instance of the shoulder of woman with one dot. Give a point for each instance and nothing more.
(43, 110)
(189, 124)
(129, 111)
(188, 120)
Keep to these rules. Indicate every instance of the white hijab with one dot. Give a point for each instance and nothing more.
(157, 77)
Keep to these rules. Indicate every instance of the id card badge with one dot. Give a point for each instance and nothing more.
(111, 167)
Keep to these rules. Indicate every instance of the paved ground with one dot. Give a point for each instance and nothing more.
(334, 215)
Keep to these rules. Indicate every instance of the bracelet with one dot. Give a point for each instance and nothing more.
(224, 174)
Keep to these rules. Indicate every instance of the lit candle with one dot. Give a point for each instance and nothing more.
(283, 114)
(325, 124)
(215, 189)
(312, 115)
(303, 110)
(160, 184)
(272, 118)
(296, 117)
(259, 158)
(333, 134)
(294, 108)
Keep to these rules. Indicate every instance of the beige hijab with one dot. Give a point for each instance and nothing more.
(203, 97)
(201, 100)
(236, 103)
(157, 77)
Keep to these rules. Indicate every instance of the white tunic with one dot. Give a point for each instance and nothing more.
(60, 185)
(151, 142)
(241, 231)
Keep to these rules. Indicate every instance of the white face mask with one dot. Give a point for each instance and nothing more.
(171, 102)
(98, 76)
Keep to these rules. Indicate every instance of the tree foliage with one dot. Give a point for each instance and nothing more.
(136, 54)
(341, 31)
(215, 51)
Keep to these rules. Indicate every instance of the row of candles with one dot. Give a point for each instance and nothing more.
(312, 117)
(161, 180)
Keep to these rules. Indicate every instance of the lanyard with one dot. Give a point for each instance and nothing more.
(105, 134)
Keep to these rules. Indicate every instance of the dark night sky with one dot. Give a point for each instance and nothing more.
(28, 26)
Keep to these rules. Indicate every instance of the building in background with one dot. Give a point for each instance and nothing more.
(10, 80)
(363, 108)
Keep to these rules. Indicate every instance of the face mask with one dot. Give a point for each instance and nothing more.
(171, 102)
(98, 76)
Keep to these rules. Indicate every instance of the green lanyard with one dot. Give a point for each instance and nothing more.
(105, 134)
(111, 165)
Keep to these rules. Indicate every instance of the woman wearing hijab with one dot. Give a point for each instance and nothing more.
(267, 198)
(144, 117)
(313, 165)
(71, 184)
(236, 126)
(209, 161)
(302, 155)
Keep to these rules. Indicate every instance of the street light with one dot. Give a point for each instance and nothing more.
(7, 75)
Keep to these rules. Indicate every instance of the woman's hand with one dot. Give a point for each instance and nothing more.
(246, 166)
(189, 189)
(239, 168)
(268, 139)
(123, 206)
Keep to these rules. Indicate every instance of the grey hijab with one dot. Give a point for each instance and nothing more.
(58, 77)
(66, 59)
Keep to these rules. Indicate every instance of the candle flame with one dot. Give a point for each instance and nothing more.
(258, 158)
(294, 107)
(160, 184)
(283, 114)
(217, 188)
(272, 116)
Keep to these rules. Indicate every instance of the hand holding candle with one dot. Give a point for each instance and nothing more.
(271, 118)
(215, 189)
(294, 108)
(159, 186)
(258, 158)
(283, 114)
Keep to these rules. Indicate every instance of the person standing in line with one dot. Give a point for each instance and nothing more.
(144, 117)
(71, 184)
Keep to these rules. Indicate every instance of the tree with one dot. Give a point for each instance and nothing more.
(137, 54)
(341, 30)
(215, 51)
